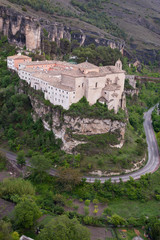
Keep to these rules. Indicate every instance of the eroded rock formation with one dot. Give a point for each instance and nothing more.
(24, 30)
(78, 125)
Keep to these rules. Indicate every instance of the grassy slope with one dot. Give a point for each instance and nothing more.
(102, 156)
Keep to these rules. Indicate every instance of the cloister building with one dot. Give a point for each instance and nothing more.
(64, 83)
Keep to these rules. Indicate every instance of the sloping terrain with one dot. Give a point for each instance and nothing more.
(137, 22)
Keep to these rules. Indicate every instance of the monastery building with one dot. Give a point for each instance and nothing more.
(64, 83)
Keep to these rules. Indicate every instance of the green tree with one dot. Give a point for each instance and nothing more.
(15, 236)
(153, 228)
(68, 177)
(40, 163)
(21, 158)
(5, 230)
(65, 46)
(64, 228)
(26, 213)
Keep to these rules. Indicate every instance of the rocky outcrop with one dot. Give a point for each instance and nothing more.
(24, 30)
(131, 92)
(62, 125)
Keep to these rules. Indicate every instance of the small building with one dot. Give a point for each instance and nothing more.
(13, 62)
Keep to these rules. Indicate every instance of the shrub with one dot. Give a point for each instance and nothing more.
(116, 220)
(86, 210)
(21, 158)
(16, 186)
(107, 211)
(95, 201)
(87, 202)
(2, 161)
(59, 210)
(95, 209)
(59, 199)
(157, 197)
(24, 9)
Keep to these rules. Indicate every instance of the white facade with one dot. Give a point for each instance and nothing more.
(10, 64)
(13, 62)
(63, 83)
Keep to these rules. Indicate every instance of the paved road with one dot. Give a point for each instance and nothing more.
(153, 155)
(151, 166)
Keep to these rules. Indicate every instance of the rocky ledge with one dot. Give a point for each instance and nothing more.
(62, 125)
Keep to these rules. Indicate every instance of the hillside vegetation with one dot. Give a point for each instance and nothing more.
(137, 22)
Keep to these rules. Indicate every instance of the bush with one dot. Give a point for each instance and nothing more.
(98, 110)
(95, 201)
(21, 158)
(16, 186)
(58, 210)
(117, 220)
(3, 161)
(107, 212)
(86, 210)
(87, 202)
(24, 9)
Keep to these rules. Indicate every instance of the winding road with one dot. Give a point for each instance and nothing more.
(153, 155)
(151, 166)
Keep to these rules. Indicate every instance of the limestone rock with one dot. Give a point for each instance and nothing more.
(24, 30)
(78, 126)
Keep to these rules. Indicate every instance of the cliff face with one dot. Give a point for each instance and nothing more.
(84, 126)
(27, 31)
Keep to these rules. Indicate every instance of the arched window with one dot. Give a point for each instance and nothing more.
(96, 84)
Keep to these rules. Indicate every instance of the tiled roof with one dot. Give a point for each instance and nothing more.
(86, 65)
(18, 57)
(53, 81)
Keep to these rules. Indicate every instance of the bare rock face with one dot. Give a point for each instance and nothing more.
(77, 125)
(24, 30)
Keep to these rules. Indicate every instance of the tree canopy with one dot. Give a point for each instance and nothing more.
(64, 228)
(26, 213)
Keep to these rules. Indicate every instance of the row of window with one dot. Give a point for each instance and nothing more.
(56, 94)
